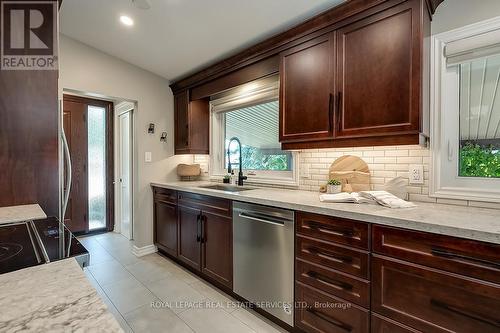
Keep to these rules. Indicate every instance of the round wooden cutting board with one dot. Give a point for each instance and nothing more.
(352, 171)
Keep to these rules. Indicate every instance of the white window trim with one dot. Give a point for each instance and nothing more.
(444, 129)
(250, 96)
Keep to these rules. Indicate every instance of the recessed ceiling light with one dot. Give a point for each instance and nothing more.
(126, 20)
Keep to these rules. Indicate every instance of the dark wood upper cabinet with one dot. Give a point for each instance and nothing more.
(217, 248)
(378, 73)
(181, 105)
(191, 124)
(352, 76)
(306, 85)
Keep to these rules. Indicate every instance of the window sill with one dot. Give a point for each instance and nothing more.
(469, 194)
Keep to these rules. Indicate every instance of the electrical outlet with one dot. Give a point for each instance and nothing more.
(416, 174)
(304, 171)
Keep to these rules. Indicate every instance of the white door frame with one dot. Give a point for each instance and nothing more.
(121, 109)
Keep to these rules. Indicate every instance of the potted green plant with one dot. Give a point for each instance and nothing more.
(226, 179)
(334, 186)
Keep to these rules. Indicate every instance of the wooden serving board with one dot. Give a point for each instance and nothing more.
(352, 171)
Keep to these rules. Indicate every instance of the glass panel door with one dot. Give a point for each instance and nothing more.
(97, 166)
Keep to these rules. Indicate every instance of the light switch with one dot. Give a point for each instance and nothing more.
(148, 156)
(416, 174)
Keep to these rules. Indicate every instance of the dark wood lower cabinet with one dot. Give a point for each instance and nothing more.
(166, 226)
(189, 231)
(432, 300)
(403, 286)
(197, 230)
(217, 248)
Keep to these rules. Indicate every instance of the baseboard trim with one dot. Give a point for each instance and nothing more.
(145, 250)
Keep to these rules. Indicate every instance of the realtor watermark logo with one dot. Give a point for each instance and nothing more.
(28, 35)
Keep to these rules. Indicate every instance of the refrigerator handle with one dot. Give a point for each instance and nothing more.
(67, 158)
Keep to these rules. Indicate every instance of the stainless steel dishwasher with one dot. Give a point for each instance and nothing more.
(263, 252)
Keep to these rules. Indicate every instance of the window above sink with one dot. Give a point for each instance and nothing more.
(251, 113)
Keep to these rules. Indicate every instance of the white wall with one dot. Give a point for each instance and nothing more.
(452, 14)
(85, 69)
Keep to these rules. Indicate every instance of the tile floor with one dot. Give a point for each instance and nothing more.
(150, 293)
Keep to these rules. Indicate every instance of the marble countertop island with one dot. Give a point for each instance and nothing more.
(55, 297)
(21, 213)
(460, 221)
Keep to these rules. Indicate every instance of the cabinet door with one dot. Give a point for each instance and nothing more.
(181, 107)
(166, 226)
(217, 248)
(378, 73)
(306, 79)
(189, 232)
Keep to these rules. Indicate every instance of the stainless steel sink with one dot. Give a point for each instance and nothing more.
(227, 188)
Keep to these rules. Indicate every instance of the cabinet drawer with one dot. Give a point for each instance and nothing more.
(165, 195)
(206, 203)
(320, 313)
(333, 229)
(334, 283)
(433, 301)
(384, 325)
(334, 256)
(457, 255)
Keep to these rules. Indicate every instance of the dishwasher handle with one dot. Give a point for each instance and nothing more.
(263, 218)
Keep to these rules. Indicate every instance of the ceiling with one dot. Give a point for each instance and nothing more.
(178, 37)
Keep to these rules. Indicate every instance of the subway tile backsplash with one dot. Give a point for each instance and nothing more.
(384, 163)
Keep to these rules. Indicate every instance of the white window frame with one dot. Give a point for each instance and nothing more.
(245, 96)
(444, 179)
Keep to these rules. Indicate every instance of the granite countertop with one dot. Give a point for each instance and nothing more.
(467, 222)
(55, 297)
(21, 213)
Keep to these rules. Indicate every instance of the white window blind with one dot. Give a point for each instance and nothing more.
(474, 47)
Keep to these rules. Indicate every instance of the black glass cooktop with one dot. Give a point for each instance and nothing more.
(17, 248)
(31, 243)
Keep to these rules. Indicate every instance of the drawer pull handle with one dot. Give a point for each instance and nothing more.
(329, 319)
(440, 252)
(329, 256)
(462, 312)
(334, 231)
(330, 281)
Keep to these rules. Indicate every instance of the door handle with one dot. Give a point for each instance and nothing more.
(203, 220)
(339, 110)
(330, 111)
(198, 228)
